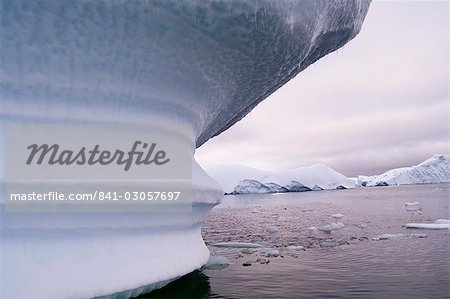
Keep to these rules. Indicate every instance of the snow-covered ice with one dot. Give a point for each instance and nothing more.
(239, 179)
(434, 170)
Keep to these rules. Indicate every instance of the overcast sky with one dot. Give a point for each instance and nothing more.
(380, 102)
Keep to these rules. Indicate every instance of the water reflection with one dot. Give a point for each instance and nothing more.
(193, 285)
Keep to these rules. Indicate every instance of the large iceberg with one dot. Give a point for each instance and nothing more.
(199, 64)
(239, 179)
(434, 170)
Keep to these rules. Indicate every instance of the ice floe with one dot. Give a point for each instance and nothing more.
(438, 224)
(272, 229)
(331, 227)
(269, 252)
(337, 216)
(399, 236)
(236, 245)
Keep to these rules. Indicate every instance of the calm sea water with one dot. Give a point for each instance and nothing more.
(358, 268)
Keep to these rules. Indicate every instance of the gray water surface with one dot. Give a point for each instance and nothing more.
(358, 268)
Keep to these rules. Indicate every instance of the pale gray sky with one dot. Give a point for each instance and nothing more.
(380, 102)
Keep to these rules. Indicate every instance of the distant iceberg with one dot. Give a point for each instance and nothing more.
(202, 65)
(239, 179)
(434, 170)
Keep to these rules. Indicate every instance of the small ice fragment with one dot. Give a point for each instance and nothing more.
(398, 236)
(216, 262)
(428, 225)
(325, 228)
(331, 243)
(312, 228)
(295, 248)
(273, 253)
(263, 261)
(272, 229)
(237, 245)
(413, 208)
(248, 251)
(269, 252)
(419, 236)
(331, 227)
(442, 221)
(390, 237)
(411, 203)
(246, 264)
(337, 216)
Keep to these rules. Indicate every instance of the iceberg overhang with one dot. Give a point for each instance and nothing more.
(202, 64)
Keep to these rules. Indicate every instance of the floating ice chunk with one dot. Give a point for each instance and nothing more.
(438, 224)
(332, 243)
(413, 208)
(295, 248)
(273, 215)
(390, 237)
(237, 245)
(263, 261)
(398, 236)
(312, 228)
(216, 262)
(269, 252)
(331, 227)
(272, 229)
(337, 216)
(419, 236)
(411, 203)
(442, 221)
(248, 251)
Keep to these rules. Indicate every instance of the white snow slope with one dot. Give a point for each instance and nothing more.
(200, 64)
(242, 179)
(434, 170)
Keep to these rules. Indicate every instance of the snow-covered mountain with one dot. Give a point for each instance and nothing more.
(239, 179)
(201, 65)
(434, 170)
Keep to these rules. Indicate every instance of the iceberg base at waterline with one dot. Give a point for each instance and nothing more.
(84, 255)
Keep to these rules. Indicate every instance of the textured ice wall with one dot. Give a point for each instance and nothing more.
(203, 64)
